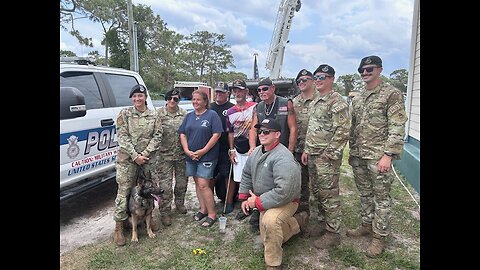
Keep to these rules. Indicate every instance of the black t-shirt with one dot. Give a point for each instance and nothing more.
(222, 112)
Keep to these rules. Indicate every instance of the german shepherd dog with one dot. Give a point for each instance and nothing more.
(141, 204)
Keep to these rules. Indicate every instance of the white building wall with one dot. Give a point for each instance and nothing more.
(413, 89)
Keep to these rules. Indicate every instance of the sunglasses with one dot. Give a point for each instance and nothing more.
(174, 99)
(264, 131)
(303, 80)
(263, 89)
(321, 77)
(368, 69)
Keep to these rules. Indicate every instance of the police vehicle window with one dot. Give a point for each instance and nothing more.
(85, 82)
(121, 86)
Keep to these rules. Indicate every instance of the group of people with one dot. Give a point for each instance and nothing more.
(280, 151)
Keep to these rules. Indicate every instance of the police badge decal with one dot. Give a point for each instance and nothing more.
(73, 150)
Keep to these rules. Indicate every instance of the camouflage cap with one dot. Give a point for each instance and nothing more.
(324, 68)
(270, 124)
(304, 72)
(371, 60)
(221, 86)
(138, 89)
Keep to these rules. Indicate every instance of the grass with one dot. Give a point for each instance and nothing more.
(239, 249)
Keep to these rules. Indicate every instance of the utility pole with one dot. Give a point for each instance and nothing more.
(135, 47)
(130, 34)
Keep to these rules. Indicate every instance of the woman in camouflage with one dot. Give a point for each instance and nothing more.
(138, 133)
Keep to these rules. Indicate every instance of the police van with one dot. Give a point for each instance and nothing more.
(91, 97)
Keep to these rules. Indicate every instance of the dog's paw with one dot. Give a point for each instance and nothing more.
(134, 240)
(151, 235)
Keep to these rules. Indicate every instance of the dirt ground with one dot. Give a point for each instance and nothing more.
(89, 218)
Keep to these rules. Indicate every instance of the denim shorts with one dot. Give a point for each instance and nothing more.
(203, 169)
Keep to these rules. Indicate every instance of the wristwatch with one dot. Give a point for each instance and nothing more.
(231, 151)
(388, 154)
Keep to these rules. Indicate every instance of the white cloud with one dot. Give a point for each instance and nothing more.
(339, 33)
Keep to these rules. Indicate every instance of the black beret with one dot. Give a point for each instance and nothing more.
(325, 69)
(138, 89)
(371, 60)
(172, 92)
(265, 81)
(304, 72)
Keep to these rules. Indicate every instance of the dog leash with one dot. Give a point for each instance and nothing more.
(139, 170)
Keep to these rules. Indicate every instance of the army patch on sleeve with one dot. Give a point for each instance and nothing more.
(339, 107)
(394, 109)
(120, 120)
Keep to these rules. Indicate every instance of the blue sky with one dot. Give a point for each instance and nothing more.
(338, 33)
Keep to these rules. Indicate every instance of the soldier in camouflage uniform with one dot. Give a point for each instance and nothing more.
(301, 104)
(171, 158)
(327, 135)
(139, 134)
(376, 137)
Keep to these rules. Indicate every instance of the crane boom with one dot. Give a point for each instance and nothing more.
(286, 11)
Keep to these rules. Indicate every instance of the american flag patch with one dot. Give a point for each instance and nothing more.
(282, 109)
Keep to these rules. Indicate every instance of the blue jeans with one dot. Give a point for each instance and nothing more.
(202, 169)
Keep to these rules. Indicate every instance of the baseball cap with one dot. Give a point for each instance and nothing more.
(325, 69)
(138, 89)
(265, 81)
(303, 72)
(240, 84)
(270, 124)
(221, 86)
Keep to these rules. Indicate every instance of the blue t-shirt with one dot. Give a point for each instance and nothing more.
(199, 130)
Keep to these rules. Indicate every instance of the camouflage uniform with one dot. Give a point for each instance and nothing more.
(378, 127)
(302, 110)
(137, 133)
(327, 134)
(171, 159)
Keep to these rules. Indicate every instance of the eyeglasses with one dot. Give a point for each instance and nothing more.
(322, 77)
(174, 99)
(264, 131)
(303, 80)
(263, 89)
(368, 69)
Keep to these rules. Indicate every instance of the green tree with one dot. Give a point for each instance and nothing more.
(67, 53)
(399, 79)
(98, 58)
(110, 14)
(348, 83)
(205, 55)
(70, 11)
(160, 57)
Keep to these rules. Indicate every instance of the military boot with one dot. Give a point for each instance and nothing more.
(317, 230)
(363, 230)
(181, 208)
(118, 236)
(376, 246)
(329, 239)
(166, 219)
(302, 219)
